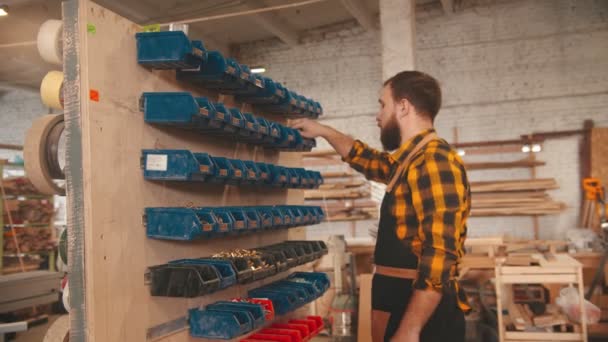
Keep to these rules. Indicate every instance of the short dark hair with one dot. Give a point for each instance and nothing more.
(420, 89)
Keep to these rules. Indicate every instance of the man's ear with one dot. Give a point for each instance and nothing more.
(403, 108)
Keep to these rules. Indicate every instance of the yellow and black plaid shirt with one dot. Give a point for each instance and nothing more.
(431, 205)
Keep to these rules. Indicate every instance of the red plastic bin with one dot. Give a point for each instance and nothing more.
(294, 335)
(270, 337)
(302, 328)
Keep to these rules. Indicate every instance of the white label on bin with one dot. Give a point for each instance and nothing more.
(156, 162)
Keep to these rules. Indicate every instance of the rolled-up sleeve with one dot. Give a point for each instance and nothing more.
(373, 164)
(439, 197)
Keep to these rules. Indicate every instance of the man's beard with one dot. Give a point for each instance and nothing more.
(390, 135)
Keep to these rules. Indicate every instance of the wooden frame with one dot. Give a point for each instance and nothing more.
(107, 194)
(562, 270)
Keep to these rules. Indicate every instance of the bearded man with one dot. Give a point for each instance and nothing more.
(415, 296)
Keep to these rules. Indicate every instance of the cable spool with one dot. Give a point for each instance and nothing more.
(49, 41)
(51, 89)
(41, 154)
(65, 297)
(59, 331)
(63, 246)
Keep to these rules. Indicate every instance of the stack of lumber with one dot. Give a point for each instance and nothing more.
(482, 252)
(345, 194)
(346, 210)
(525, 162)
(514, 197)
(19, 186)
(522, 318)
(29, 211)
(30, 240)
(30, 263)
(336, 194)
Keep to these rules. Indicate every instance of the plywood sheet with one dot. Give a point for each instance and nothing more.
(118, 304)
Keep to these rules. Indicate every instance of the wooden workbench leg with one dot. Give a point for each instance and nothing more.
(582, 300)
(498, 284)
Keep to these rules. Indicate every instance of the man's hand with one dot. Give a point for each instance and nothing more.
(312, 129)
(309, 128)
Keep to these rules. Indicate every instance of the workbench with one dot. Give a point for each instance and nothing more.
(563, 269)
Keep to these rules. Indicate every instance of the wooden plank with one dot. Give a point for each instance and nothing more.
(519, 260)
(549, 320)
(539, 278)
(509, 195)
(542, 336)
(517, 317)
(335, 194)
(343, 185)
(514, 185)
(491, 150)
(319, 153)
(549, 256)
(113, 133)
(477, 261)
(336, 174)
(523, 163)
(364, 332)
(538, 270)
(484, 241)
(548, 207)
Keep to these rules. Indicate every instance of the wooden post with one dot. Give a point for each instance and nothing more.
(535, 221)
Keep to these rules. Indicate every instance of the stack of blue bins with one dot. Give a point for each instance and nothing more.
(183, 165)
(186, 224)
(228, 320)
(212, 70)
(183, 110)
(196, 277)
(225, 320)
(293, 292)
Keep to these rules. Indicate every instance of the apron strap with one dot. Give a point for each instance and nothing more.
(406, 163)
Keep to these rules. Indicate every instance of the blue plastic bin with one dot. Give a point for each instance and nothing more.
(254, 222)
(168, 50)
(240, 172)
(173, 108)
(219, 324)
(180, 223)
(224, 269)
(256, 310)
(216, 72)
(224, 170)
(279, 176)
(186, 281)
(180, 165)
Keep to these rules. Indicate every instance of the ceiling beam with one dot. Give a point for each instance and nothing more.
(448, 6)
(357, 9)
(272, 24)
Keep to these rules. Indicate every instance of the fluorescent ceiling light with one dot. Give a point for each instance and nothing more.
(3, 10)
(258, 70)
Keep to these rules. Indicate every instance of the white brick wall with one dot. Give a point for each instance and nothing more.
(507, 68)
(18, 108)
